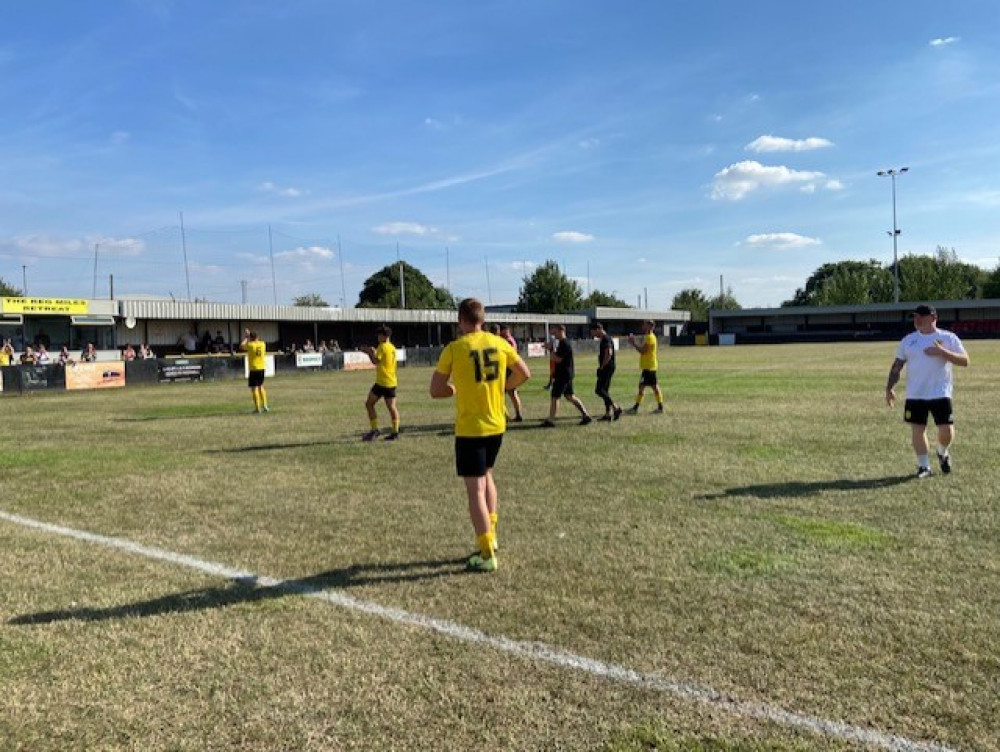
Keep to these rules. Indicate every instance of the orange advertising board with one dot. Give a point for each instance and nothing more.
(95, 375)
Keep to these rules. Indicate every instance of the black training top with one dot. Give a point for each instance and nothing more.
(564, 368)
(607, 345)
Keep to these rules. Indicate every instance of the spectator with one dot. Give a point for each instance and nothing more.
(335, 346)
(219, 343)
(42, 356)
(206, 342)
(189, 342)
(64, 358)
(6, 353)
(28, 356)
(129, 352)
(308, 346)
(146, 353)
(322, 347)
(89, 354)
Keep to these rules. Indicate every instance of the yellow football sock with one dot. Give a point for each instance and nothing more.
(373, 422)
(256, 400)
(395, 426)
(493, 523)
(638, 398)
(263, 397)
(485, 543)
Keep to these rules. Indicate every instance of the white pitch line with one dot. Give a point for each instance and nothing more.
(532, 650)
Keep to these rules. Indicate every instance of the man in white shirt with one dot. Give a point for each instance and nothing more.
(929, 354)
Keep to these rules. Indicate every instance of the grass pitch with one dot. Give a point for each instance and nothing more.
(763, 540)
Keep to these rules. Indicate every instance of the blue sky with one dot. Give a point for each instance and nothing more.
(648, 147)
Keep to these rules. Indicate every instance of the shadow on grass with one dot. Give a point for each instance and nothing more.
(246, 590)
(273, 447)
(800, 488)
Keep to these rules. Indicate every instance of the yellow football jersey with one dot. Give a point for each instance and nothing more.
(256, 350)
(647, 360)
(477, 364)
(385, 369)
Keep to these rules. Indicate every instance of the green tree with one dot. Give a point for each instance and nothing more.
(9, 291)
(598, 298)
(692, 300)
(845, 283)
(382, 290)
(548, 290)
(940, 277)
(725, 301)
(991, 287)
(310, 300)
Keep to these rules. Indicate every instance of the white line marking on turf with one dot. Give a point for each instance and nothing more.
(531, 650)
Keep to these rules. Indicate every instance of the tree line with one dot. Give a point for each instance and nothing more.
(939, 276)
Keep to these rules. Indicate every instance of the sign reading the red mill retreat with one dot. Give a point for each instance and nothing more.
(63, 306)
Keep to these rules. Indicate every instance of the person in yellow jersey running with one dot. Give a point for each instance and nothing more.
(256, 351)
(646, 345)
(474, 369)
(384, 359)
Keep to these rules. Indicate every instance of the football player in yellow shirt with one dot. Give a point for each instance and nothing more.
(256, 351)
(384, 359)
(648, 363)
(473, 369)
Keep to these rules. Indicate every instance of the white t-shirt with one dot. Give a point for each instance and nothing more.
(928, 377)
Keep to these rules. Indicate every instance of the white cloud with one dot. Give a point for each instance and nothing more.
(312, 252)
(307, 258)
(433, 124)
(571, 236)
(834, 185)
(781, 240)
(51, 247)
(942, 41)
(289, 192)
(404, 228)
(590, 143)
(985, 198)
(120, 137)
(120, 246)
(777, 143)
(738, 180)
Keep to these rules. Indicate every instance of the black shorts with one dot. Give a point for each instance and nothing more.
(255, 379)
(474, 455)
(916, 411)
(561, 387)
(387, 392)
(603, 381)
(647, 378)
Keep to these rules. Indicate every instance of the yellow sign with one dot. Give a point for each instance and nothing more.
(45, 305)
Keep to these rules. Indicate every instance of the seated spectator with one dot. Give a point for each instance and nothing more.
(219, 343)
(146, 353)
(89, 353)
(28, 356)
(335, 346)
(308, 346)
(129, 352)
(42, 356)
(64, 358)
(321, 347)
